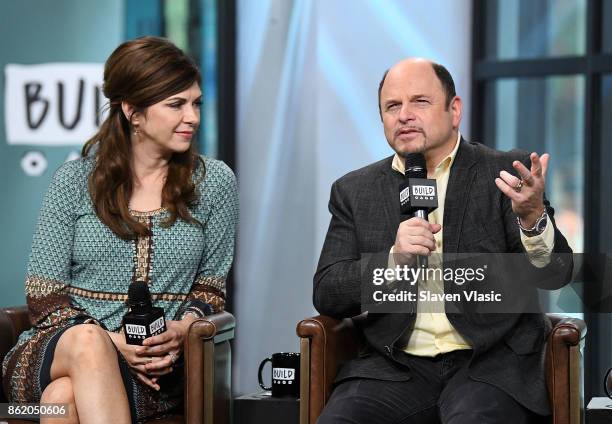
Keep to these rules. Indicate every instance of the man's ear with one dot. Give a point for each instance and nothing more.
(129, 113)
(456, 108)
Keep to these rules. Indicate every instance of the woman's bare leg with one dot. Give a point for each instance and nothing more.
(86, 354)
(60, 391)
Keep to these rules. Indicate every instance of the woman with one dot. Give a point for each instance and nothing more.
(140, 205)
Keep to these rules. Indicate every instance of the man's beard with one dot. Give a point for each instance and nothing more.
(415, 146)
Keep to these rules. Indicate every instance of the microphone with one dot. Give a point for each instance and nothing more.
(143, 320)
(414, 167)
(418, 195)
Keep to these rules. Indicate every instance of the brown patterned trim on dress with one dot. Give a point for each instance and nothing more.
(50, 315)
(146, 214)
(208, 294)
(122, 297)
(36, 286)
(23, 367)
(48, 301)
(143, 249)
(217, 283)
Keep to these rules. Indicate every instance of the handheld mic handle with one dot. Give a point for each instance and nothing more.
(416, 167)
(422, 261)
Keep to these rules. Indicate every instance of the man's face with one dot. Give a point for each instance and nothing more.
(413, 109)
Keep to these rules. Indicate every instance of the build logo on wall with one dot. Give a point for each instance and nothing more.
(52, 104)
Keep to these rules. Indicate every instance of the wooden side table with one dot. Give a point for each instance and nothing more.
(599, 411)
(261, 408)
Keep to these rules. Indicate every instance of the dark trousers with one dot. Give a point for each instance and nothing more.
(440, 391)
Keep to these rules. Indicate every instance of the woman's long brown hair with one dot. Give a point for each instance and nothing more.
(140, 72)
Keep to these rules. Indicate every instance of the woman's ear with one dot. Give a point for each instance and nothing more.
(129, 113)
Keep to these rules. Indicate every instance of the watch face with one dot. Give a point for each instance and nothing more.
(542, 225)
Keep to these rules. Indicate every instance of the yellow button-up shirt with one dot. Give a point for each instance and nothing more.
(433, 333)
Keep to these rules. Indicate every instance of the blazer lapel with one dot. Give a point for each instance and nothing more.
(460, 180)
(388, 187)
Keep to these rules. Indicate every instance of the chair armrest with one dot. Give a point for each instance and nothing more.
(567, 329)
(13, 322)
(208, 368)
(563, 368)
(219, 327)
(7, 334)
(326, 343)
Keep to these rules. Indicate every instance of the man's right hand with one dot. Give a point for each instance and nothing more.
(415, 237)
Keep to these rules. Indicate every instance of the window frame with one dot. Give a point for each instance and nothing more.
(593, 66)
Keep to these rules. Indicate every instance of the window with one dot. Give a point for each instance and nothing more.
(542, 81)
(524, 29)
(544, 115)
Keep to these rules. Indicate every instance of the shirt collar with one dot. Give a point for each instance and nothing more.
(398, 162)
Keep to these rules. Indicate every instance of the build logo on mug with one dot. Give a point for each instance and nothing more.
(285, 374)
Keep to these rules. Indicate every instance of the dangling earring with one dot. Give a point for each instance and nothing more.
(136, 131)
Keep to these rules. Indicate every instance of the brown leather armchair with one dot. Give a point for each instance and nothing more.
(326, 343)
(207, 365)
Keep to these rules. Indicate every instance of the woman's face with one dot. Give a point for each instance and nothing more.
(169, 126)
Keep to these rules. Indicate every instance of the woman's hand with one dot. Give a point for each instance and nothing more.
(138, 362)
(170, 341)
(166, 346)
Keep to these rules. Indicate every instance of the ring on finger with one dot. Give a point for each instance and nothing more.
(173, 357)
(519, 186)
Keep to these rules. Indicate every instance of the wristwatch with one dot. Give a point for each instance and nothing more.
(538, 227)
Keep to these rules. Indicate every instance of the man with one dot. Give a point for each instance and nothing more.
(436, 367)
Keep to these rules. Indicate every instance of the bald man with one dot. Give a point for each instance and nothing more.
(438, 367)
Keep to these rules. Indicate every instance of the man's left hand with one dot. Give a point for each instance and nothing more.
(527, 192)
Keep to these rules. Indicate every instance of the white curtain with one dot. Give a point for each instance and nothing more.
(308, 73)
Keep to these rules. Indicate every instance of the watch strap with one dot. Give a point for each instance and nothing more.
(537, 228)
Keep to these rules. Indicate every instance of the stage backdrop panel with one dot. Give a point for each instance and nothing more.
(308, 74)
(72, 38)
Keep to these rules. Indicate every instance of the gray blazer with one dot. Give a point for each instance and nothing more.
(508, 349)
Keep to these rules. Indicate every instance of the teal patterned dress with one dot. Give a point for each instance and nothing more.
(79, 272)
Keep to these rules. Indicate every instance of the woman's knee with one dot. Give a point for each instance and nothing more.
(84, 343)
(58, 391)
